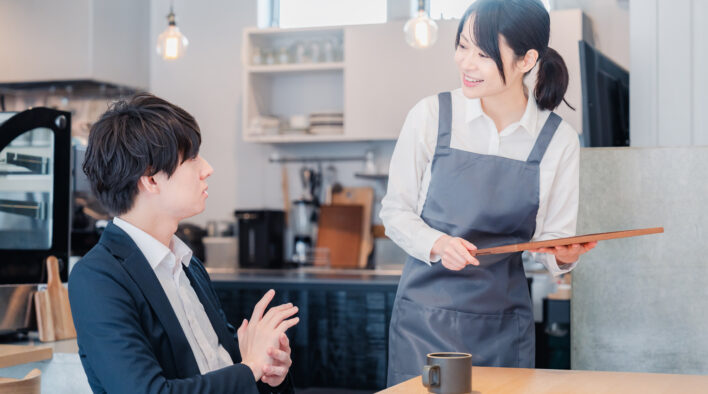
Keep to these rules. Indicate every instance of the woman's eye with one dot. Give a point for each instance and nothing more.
(463, 46)
(483, 55)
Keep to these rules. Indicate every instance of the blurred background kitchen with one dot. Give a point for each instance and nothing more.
(300, 103)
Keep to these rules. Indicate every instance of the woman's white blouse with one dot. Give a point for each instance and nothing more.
(474, 131)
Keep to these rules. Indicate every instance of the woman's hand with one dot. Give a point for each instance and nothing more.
(567, 254)
(454, 252)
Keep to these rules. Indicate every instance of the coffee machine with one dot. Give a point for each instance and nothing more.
(304, 215)
(260, 238)
(303, 229)
(35, 183)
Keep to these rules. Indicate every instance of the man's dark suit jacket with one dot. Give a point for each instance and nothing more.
(129, 338)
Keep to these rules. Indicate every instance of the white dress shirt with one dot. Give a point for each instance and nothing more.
(474, 131)
(210, 355)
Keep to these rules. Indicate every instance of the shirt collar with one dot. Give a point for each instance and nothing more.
(473, 110)
(153, 250)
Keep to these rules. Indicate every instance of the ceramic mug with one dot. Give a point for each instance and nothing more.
(448, 373)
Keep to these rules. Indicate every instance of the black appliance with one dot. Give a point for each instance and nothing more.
(35, 161)
(260, 238)
(605, 87)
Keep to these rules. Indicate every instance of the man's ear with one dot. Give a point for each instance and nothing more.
(148, 184)
(529, 60)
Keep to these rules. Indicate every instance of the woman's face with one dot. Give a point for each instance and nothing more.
(479, 74)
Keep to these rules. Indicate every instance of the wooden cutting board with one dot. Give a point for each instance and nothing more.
(54, 320)
(339, 230)
(566, 241)
(363, 196)
(21, 354)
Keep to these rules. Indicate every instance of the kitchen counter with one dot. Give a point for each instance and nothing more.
(518, 380)
(63, 373)
(312, 276)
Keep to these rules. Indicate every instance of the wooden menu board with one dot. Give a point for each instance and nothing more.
(566, 241)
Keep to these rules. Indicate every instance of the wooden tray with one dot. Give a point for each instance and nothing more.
(566, 241)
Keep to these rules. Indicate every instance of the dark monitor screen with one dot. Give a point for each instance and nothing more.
(605, 89)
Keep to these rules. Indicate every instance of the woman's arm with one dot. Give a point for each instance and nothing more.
(411, 158)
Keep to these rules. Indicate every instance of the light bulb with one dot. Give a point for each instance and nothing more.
(421, 31)
(171, 44)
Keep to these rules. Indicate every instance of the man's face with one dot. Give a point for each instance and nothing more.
(184, 193)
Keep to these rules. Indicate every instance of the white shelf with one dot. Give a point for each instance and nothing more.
(293, 68)
(290, 138)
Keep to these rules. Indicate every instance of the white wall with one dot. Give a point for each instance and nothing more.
(609, 21)
(669, 85)
(207, 83)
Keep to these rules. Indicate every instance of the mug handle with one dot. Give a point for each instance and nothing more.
(431, 375)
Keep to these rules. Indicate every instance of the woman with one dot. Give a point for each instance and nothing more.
(485, 165)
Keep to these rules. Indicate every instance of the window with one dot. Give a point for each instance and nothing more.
(453, 9)
(306, 13)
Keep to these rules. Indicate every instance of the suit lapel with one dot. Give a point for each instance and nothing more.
(122, 247)
(226, 339)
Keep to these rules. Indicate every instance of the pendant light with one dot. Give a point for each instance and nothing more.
(171, 44)
(421, 31)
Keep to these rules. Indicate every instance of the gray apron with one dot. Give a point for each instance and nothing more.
(484, 310)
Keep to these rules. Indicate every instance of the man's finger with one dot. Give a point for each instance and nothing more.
(282, 327)
(279, 316)
(279, 355)
(261, 306)
(284, 342)
(274, 370)
(268, 316)
(241, 329)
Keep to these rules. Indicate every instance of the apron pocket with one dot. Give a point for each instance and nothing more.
(416, 330)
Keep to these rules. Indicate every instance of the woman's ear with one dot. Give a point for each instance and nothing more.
(529, 60)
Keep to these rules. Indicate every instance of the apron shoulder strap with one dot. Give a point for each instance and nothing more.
(544, 138)
(444, 123)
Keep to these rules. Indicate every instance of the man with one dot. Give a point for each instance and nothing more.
(146, 315)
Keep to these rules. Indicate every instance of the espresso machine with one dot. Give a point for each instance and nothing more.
(304, 215)
(35, 183)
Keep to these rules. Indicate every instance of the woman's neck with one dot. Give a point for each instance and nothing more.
(505, 108)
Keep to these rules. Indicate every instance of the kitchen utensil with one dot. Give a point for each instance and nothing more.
(285, 188)
(53, 311)
(340, 231)
(566, 241)
(20, 354)
(363, 196)
(30, 384)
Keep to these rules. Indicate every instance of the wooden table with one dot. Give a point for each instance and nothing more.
(518, 380)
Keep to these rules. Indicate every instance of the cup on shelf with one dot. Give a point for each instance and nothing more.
(328, 51)
(256, 56)
(315, 51)
(300, 52)
(283, 55)
(268, 56)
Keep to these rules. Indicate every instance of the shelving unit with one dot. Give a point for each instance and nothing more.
(291, 89)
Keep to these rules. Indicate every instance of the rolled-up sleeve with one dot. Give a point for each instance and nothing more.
(562, 213)
(411, 158)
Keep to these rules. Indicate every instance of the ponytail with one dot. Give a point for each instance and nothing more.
(551, 81)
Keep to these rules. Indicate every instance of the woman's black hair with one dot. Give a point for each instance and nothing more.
(143, 135)
(525, 24)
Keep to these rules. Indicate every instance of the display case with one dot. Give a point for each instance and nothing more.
(35, 180)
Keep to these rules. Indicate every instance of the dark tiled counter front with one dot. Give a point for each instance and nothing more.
(341, 340)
